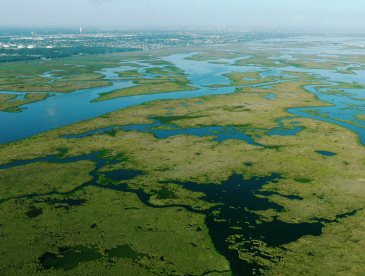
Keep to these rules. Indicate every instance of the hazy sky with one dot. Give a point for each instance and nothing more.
(173, 13)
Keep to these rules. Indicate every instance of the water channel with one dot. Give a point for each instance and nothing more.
(63, 109)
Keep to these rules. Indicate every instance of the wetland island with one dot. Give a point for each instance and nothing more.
(238, 159)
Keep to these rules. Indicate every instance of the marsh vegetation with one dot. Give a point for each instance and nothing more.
(101, 195)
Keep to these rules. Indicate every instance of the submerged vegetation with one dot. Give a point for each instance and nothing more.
(104, 195)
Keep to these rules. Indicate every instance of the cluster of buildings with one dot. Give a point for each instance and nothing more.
(142, 39)
(119, 40)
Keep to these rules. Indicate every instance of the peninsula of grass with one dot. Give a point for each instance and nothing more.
(130, 73)
(13, 106)
(346, 72)
(87, 77)
(6, 97)
(246, 78)
(60, 87)
(214, 55)
(160, 87)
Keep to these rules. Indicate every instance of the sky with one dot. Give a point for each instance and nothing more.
(267, 14)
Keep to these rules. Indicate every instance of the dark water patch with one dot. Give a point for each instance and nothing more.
(345, 215)
(292, 197)
(185, 105)
(169, 114)
(248, 164)
(234, 218)
(257, 136)
(113, 162)
(93, 226)
(34, 212)
(121, 175)
(295, 123)
(70, 257)
(270, 96)
(199, 102)
(326, 153)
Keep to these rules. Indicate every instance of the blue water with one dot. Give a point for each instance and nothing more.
(281, 130)
(63, 109)
(221, 133)
(339, 110)
(326, 153)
